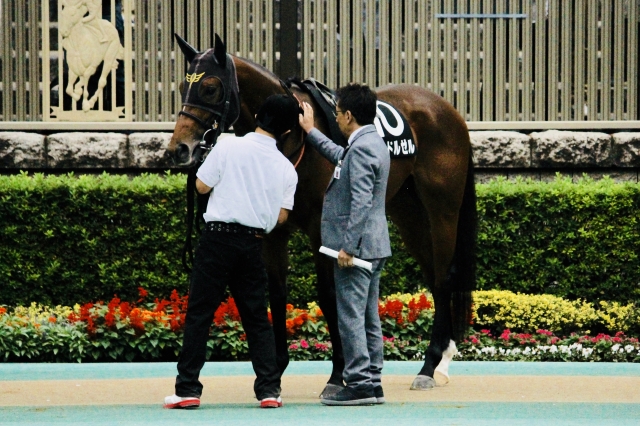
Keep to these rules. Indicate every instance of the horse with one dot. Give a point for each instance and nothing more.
(430, 198)
(88, 41)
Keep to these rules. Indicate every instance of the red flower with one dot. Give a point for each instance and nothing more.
(142, 293)
(109, 319)
(505, 334)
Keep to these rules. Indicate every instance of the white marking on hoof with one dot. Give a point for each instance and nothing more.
(423, 383)
(441, 374)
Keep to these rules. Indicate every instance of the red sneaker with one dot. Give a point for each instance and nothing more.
(175, 401)
(271, 402)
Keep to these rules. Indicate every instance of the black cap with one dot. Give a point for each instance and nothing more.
(278, 114)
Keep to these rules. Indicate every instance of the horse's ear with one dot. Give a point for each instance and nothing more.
(220, 51)
(189, 51)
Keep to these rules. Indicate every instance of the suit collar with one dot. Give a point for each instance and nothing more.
(367, 128)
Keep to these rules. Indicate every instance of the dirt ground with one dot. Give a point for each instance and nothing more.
(305, 389)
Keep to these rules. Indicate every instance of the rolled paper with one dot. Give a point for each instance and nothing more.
(356, 262)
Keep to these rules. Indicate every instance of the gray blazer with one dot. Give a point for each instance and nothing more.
(353, 215)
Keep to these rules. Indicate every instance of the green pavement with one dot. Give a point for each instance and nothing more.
(89, 371)
(427, 413)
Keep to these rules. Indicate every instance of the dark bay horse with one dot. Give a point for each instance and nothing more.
(430, 197)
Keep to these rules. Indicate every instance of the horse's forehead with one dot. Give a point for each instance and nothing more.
(206, 62)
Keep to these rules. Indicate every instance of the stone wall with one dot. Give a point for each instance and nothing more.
(537, 155)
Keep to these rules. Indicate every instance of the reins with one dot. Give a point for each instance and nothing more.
(217, 127)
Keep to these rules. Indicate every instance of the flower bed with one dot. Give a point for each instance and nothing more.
(152, 331)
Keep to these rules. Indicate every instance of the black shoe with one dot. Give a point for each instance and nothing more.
(351, 396)
(379, 394)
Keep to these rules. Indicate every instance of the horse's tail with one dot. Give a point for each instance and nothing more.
(463, 270)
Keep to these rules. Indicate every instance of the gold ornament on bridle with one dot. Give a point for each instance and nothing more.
(193, 78)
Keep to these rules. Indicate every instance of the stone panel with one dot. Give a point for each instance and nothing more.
(149, 150)
(555, 148)
(501, 149)
(21, 150)
(87, 150)
(626, 149)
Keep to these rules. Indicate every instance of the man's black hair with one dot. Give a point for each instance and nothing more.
(360, 100)
(278, 114)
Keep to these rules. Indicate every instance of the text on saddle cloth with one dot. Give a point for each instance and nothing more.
(394, 129)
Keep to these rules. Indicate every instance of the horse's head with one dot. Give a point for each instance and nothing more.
(72, 13)
(210, 102)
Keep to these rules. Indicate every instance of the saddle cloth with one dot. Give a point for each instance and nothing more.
(391, 125)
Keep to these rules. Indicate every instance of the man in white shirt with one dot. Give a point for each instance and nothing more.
(252, 186)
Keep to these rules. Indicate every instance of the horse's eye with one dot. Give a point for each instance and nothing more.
(211, 90)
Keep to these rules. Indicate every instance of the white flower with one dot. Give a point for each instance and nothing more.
(629, 348)
(516, 351)
(586, 352)
(615, 348)
(553, 349)
(527, 351)
(490, 350)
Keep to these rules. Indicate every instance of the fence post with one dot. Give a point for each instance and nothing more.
(288, 66)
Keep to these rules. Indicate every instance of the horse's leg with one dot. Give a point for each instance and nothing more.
(428, 229)
(75, 95)
(442, 203)
(277, 262)
(109, 64)
(85, 81)
(327, 300)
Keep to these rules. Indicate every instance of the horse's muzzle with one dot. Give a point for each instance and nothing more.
(183, 154)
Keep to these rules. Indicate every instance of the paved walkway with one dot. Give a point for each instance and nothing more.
(480, 393)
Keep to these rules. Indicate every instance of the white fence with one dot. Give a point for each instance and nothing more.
(506, 63)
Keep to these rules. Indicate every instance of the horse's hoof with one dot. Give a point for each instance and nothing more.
(330, 390)
(423, 383)
(440, 378)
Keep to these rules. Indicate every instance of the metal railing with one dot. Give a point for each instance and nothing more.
(503, 64)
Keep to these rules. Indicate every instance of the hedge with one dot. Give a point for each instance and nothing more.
(69, 238)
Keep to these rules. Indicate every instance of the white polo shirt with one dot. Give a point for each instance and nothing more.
(251, 181)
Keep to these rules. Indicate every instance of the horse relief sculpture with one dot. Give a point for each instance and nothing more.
(88, 41)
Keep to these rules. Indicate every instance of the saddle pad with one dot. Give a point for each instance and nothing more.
(395, 131)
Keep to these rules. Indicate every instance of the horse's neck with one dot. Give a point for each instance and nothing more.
(256, 84)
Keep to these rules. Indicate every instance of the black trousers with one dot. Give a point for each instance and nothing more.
(235, 260)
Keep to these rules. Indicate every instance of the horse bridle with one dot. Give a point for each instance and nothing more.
(217, 127)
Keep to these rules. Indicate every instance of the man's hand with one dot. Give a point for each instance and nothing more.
(345, 260)
(306, 120)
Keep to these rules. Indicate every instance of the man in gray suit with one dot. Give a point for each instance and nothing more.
(354, 223)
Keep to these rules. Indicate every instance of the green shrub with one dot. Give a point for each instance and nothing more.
(70, 238)
(572, 240)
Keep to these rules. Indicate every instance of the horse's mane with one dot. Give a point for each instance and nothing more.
(263, 71)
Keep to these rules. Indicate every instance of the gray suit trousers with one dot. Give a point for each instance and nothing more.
(357, 293)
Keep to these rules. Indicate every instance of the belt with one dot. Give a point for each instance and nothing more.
(234, 228)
